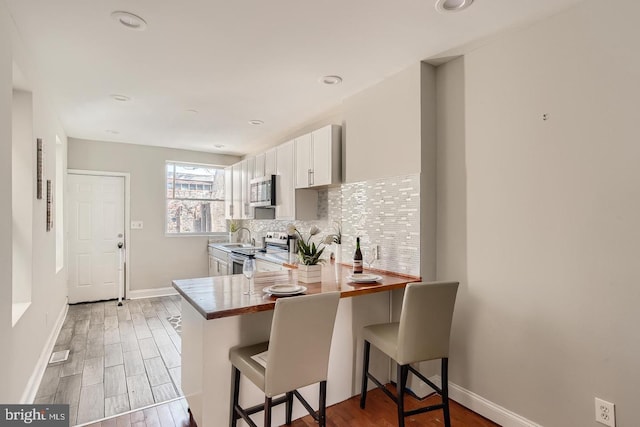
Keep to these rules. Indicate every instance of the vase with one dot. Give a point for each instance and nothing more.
(309, 273)
(338, 253)
(233, 237)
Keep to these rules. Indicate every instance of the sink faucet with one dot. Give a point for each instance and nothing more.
(250, 240)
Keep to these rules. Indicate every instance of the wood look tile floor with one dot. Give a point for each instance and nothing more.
(120, 358)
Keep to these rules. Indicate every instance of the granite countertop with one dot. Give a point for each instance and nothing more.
(222, 296)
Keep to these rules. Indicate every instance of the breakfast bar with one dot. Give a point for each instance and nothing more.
(217, 315)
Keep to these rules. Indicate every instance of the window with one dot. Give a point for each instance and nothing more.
(195, 199)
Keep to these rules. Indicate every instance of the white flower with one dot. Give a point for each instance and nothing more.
(291, 229)
(328, 239)
(314, 230)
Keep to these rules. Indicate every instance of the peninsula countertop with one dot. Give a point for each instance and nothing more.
(222, 296)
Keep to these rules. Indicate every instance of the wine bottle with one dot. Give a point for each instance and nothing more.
(357, 258)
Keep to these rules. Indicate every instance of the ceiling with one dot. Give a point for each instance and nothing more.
(235, 60)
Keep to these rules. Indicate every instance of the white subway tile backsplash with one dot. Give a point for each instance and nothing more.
(383, 212)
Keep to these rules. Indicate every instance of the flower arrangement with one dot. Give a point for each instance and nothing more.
(308, 252)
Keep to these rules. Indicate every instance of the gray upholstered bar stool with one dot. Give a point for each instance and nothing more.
(298, 355)
(422, 334)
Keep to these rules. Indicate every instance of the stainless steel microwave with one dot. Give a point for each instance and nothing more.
(262, 191)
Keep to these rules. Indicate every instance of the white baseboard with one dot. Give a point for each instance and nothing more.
(482, 406)
(148, 293)
(30, 391)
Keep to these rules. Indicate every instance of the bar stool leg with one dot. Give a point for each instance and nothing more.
(289, 407)
(322, 411)
(401, 381)
(445, 391)
(365, 373)
(235, 393)
(267, 412)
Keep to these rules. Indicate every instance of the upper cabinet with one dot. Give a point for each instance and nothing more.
(228, 192)
(301, 166)
(317, 158)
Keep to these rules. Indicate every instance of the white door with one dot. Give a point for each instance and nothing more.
(303, 168)
(96, 226)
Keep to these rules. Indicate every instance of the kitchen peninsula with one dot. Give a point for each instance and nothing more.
(217, 316)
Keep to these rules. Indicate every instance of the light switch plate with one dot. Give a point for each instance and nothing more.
(136, 225)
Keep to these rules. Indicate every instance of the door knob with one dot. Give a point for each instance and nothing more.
(120, 245)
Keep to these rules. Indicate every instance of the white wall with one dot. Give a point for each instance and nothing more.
(26, 341)
(543, 229)
(155, 259)
(383, 125)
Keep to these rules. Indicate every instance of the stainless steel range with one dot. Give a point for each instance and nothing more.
(275, 242)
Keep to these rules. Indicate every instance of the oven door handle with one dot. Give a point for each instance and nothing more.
(237, 258)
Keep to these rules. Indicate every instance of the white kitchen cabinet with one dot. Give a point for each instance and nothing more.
(236, 193)
(318, 157)
(248, 166)
(292, 204)
(270, 162)
(218, 262)
(228, 192)
(258, 170)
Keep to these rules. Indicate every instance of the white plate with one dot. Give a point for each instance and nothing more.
(284, 289)
(363, 278)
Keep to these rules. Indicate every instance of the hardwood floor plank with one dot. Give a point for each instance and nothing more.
(177, 342)
(133, 364)
(75, 364)
(50, 381)
(180, 416)
(139, 391)
(123, 420)
(111, 336)
(113, 355)
(93, 372)
(116, 404)
(170, 356)
(91, 406)
(154, 322)
(115, 382)
(164, 392)
(68, 391)
(176, 376)
(111, 322)
(130, 344)
(95, 347)
(140, 326)
(151, 418)
(148, 348)
(78, 342)
(164, 413)
(156, 372)
(123, 313)
(81, 327)
(64, 337)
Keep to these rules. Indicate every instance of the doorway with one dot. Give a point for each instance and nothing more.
(97, 220)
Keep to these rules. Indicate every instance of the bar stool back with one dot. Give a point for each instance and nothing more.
(298, 355)
(421, 335)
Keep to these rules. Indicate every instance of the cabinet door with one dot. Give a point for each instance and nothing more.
(270, 162)
(258, 170)
(321, 155)
(303, 161)
(248, 175)
(285, 190)
(236, 209)
(228, 192)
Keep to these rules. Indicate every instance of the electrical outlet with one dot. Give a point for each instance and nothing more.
(605, 413)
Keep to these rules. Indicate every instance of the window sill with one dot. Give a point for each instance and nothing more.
(18, 309)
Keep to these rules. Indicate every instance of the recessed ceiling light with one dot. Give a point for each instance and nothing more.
(113, 132)
(120, 97)
(129, 20)
(256, 122)
(331, 80)
(219, 146)
(446, 6)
